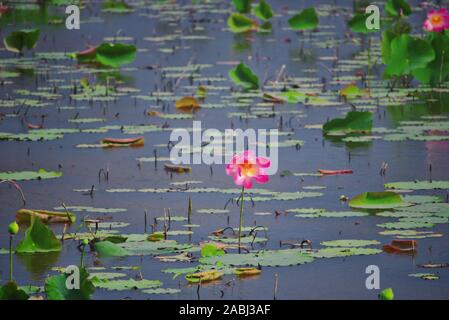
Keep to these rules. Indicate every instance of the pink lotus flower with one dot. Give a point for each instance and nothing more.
(437, 21)
(246, 167)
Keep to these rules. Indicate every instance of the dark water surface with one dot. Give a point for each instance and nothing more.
(303, 57)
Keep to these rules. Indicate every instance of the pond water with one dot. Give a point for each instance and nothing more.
(195, 38)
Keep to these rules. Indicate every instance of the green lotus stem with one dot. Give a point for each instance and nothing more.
(10, 258)
(241, 215)
(82, 256)
(369, 62)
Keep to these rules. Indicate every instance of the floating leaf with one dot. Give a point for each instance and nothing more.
(109, 54)
(187, 104)
(305, 20)
(405, 225)
(242, 6)
(418, 185)
(109, 249)
(16, 41)
(128, 284)
(354, 122)
(244, 76)
(247, 272)
(38, 238)
(211, 250)
(263, 10)
(343, 252)
(425, 276)
(240, 23)
(268, 258)
(378, 200)
(349, 243)
(204, 276)
(30, 175)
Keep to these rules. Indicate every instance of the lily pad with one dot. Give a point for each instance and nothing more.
(354, 122)
(30, 175)
(268, 258)
(128, 284)
(350, 243)
(418, 185)
(378, 200)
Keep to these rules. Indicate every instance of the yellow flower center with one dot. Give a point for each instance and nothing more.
(436, 19)
(248, 169)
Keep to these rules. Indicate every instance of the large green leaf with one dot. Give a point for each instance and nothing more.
(16, 41)
(10, 291)
(242, 6)
(108, 54)
(305, 20)
(244, 76)
(263, 10)
(115, 54)
(56, 288)
(354, 122)
(397, 7)
(38, 238)
(437, 71)
(240, 23)
(378, 200)
(407, 54)
(358, 23)
(109, 249)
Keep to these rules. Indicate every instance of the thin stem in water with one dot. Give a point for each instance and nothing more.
(241, 217)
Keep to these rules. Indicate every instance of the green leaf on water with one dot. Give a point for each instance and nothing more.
(268, 258)
(305, 20)
(354, 122)
(127, 284)
(405, 225)
(240, 23)
(242, 6)
(378, 200)
(263, 10)
(335, 252)
(109, 249)
(16, 41)
(211, 250)
(30, 175)
(418, 185)
(350, 243)
(244, 76)
(38, 238)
